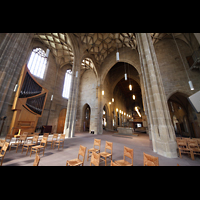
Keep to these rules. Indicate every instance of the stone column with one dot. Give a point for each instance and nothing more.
(13, 53)
(70, 121)
(162, 132)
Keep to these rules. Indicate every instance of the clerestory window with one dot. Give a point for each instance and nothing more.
(37, 62)
(67, 84)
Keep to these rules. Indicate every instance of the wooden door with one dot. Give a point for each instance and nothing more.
(61, 121)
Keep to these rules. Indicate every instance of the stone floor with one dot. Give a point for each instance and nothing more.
(53, 157)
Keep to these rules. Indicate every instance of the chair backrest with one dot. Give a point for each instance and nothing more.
(128, 152)
(62, 137)
(35, 138)
(150, 160)
(55, 136)
(4, 148)
(8, 137)
(2, 142)
(46, 135)
(97, 142)
(81, 152)
(109, 146)
(43, 141)
(36, 133)
(23, 137)
(193, 144)
(95, 159)
(25, 133)
(182, 143)
(36, 161)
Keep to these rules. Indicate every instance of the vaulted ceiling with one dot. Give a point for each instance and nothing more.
(98, 44)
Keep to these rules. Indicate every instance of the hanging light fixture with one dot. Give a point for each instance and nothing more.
(102, 92)
(113, 99)
(130, 87)
(125, 75)
(133, 97)
(117, 56)
(191, 85)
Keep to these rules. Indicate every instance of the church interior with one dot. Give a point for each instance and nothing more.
(113, 99)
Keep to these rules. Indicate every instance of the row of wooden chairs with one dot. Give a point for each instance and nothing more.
(22, 140)
(189, 146)
(96, 156)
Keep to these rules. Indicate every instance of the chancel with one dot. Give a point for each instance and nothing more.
(128, 86)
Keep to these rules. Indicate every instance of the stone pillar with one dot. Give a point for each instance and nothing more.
(70, 121)
(13, 53)
(162, 132)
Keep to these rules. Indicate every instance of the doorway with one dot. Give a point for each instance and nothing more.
(61, 121)
(86, 118)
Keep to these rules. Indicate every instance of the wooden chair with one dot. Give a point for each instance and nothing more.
(113, 163)
(97, 142)
(150, 160)
(194, 147)
(27, 145)
(183, 148)
(44, 135)
(105, 155)
(18, 142)
(54, 138)
(58, 142)
(41, 146)
(95, 159)
(128, 152)
(3, 151)
(37, 160)
(77, 161)
(8, 138)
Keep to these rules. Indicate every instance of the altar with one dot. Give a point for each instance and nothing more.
(126, 131)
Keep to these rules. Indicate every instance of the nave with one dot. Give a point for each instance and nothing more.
(55, 157)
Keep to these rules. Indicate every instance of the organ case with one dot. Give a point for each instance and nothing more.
(28, 105)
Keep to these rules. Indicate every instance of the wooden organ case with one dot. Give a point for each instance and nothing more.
(28, 105)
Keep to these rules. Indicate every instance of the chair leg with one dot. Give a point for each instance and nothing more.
(31, 152)
(87, 155)
(63, 145)
(27, 150)
(180, 153)
(192, 154)
(22, 148)
(58, 146)
(43, 151)
(105, 161)
(17, 148)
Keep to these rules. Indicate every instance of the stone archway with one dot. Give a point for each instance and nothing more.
(86, 118)
(183, 116)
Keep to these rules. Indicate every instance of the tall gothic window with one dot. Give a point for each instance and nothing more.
(67, 83)
(37, 62)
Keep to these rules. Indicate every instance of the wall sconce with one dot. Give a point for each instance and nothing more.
(102, 92)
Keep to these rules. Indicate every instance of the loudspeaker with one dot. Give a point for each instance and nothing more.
(195, 101)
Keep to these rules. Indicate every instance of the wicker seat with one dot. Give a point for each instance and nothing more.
(41, 146)
(113, 163)
(3, 151)
(105, 154)
(37, 160)
(128, 152)
(27, 145)
(97, 142)
(150, 160)
(58, 142)
(77, 161)
(95, 159)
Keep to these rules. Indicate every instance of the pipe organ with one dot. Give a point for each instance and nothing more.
(28, 105)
